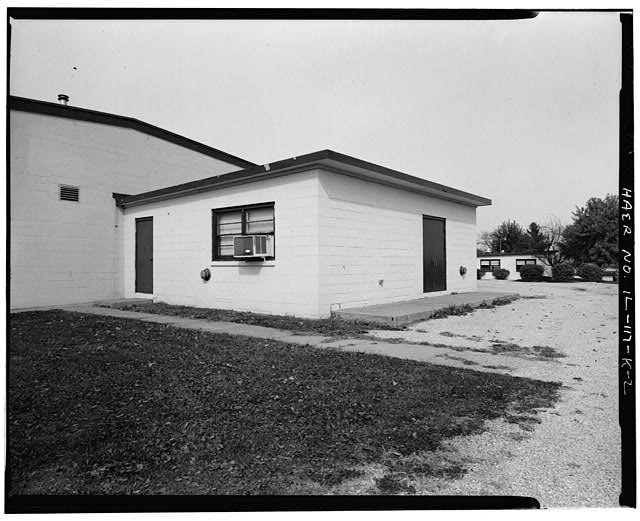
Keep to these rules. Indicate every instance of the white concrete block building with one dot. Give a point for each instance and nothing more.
(345, 233)
(163, 217)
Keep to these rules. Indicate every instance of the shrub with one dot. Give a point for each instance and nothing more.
(501, 274)
(480, 273)
(590, 272)
(562, 272)
(532, 272)
(615, 276)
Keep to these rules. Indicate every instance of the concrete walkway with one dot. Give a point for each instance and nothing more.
(406, 311)
(390, 347)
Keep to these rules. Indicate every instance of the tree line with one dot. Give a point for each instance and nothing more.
(592, 236)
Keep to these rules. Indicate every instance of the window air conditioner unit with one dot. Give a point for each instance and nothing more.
(252, 246)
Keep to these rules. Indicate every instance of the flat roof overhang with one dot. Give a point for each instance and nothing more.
(326, 160)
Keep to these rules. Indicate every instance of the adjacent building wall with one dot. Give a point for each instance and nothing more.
(182, 229)
(371, 233)
(64, 252)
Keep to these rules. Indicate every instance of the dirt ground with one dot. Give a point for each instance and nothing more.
(567, 333)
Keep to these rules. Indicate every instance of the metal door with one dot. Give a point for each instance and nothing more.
(144, 255)
(434, 262)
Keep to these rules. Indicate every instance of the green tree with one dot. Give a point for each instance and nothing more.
(538, 241)
(593, 234)
(509, 237)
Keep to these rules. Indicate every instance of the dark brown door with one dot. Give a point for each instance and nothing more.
(144, 255)
(434, 262)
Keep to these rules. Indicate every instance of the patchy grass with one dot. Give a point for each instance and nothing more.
(459, 359)
(465, 309)
(101, 405)
(501, 301)
(453, 310)
(525, 421)
(324, 326)
(498, 347)
(547, 352)
(474, 338)
(539, 352)
(506, 348)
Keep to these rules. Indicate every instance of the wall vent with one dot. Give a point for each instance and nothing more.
(69, 193)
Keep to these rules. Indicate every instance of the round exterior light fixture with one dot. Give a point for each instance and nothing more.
(205, 274)
(463, 271)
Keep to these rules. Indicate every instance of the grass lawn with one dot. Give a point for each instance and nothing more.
(322, 326)
(102, 405)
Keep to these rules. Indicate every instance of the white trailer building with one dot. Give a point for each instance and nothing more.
(489, 262)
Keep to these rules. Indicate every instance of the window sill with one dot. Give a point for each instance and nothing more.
(222, 264)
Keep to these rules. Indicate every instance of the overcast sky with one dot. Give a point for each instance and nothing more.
(523, 112)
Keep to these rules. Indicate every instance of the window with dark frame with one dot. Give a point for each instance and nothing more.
(489, 264)
(522, 262)
(257, 219)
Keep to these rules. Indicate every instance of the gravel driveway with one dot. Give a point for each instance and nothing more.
(571, 458)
